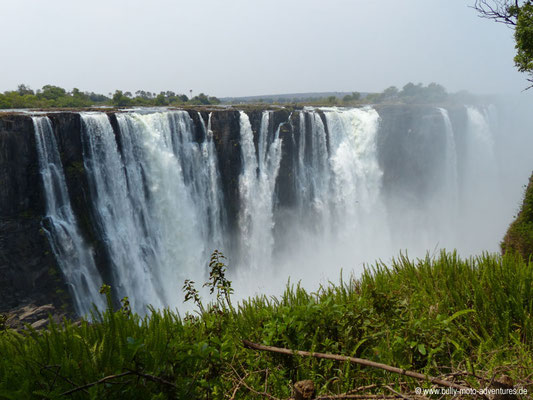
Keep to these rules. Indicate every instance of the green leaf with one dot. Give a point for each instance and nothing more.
(458, 314)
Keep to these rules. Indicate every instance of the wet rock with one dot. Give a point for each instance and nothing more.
(38, 317)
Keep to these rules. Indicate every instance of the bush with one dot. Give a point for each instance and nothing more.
(519, 236)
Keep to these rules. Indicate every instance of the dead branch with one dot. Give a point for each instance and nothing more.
(103, 380)
(152, 378)
(395, 392)
(360, 361)
(243, 382)
(497, 10)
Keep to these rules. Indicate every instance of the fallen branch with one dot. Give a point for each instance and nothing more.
(103, 380)
(360, 361)
(396, 393)
(155, 379)
(152, 378)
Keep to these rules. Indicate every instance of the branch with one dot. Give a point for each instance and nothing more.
(103, 380)
(360, 361)
(155, 379)
(396, 393)
(498, 12)
(152, 378)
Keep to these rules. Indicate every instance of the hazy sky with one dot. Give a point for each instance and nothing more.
(253, 47)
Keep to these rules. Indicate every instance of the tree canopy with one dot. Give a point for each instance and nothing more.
(50, 96)
(517, 14)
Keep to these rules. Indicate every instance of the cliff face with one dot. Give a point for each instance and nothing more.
(28, 269)
(410, 138)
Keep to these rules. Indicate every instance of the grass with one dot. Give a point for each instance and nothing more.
(435, 316)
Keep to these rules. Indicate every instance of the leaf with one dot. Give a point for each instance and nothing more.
(458, 314)
(422, 349)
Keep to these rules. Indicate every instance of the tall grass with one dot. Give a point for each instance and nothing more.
(430, 315)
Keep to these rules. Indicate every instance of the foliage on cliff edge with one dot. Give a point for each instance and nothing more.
(463, 320)
(519, 236)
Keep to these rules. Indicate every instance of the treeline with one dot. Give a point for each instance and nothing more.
(411, 93)
(50, 96)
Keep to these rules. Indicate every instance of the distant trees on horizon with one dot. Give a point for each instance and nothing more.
(50, 96)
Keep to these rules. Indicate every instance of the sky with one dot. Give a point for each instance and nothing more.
(254, 47)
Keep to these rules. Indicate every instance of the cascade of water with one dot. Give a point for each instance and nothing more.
(446, 200)
(357, 214)
(213, 190)
(121, 214)
(480, 181)
(256, 188)
(339, 218)
(452, 179)
(73, 255)
(182, 198)
(356, 172)
(313, 172)
(159, 207)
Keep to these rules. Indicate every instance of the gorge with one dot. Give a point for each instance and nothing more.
(140, 198)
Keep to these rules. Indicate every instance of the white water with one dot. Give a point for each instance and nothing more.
(481, 187)
(74, 256)
(158, 202)
(256, 188)
(339, 212)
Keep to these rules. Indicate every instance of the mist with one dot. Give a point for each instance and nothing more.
(376, 207)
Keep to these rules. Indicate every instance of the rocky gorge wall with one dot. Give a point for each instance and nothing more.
(410, 149)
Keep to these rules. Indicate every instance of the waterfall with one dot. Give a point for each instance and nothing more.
(256, 188)
(157, 200)
(451, 173)
(312, 173)
(480, 189)
(73, 255)
(119, 214)
(159, 209)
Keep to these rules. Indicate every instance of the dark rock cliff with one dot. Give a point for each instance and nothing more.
(28, 269)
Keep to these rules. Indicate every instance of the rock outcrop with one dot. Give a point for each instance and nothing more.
(28, 269)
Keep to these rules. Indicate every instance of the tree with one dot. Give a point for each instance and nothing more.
(355, 96)
(51, 92)
(23, 89)
(120, 100)
(517, 14)
(161, 100)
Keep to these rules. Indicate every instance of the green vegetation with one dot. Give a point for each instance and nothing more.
(56, 97)
(517, 14)
(519, 236)
(411, 93)
(467, 318)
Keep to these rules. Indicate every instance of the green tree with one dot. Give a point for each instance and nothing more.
(51, 92)
(23, 89)
(120, 100)
(517, 14)
(161, 100)
(389, 94)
